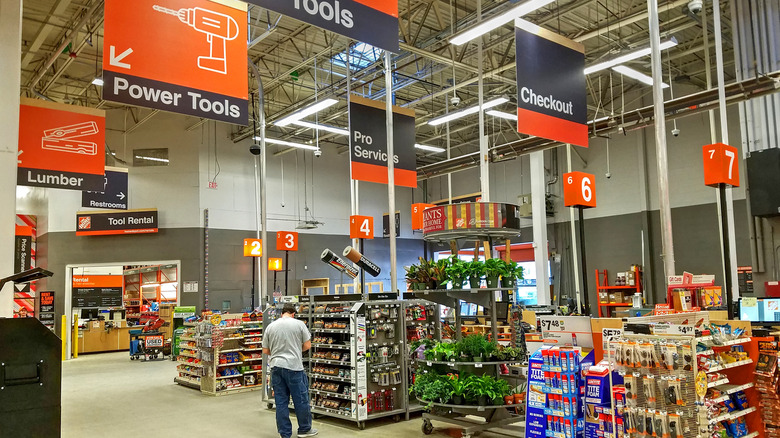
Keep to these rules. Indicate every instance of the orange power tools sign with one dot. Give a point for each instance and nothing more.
(61, 146)
(182, 56)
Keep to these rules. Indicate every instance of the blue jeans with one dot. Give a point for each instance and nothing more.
(287, 383)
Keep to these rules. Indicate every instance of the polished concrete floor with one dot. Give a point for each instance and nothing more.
(109, 395)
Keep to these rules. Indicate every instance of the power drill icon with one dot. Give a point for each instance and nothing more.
(219, 29)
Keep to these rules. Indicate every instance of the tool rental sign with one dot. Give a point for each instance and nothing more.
(551, 99)
(182, 56)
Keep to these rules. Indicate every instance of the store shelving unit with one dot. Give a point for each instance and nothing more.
(147, 285)
(188, 365)
(602, 286)
(422, 319)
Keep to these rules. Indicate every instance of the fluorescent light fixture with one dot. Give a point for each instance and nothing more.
(97, 81)
(639, 53)
(639, 76)
(317, 107)
(502, 115)
(498, 20)
(161, 160)
(429, 148)
(289, 143)
(326, 128)
(468, 111)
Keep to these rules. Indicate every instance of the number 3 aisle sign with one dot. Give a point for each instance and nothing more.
(720, 165)
(361, 227)
(579, 189)
(286, 241)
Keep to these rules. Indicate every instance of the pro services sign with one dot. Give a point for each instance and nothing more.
(368, 143)
(183, 56)
(371, 21)
(120, 222)
(551, 99)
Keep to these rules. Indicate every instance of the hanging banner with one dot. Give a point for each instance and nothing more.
(23, 248)
(120, 222)
(61, 146)
(551, 99)
(368, 143)
(371, 21)
(44, 308)
(183, 56)
(114, 193)
(97, 290)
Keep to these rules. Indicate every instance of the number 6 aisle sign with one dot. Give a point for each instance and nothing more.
(286, 241)
(721, 165)
(579, 189)
(361, 227)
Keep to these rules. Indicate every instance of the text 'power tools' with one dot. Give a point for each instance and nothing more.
(219, 29)
(196, 100)
(327, 11)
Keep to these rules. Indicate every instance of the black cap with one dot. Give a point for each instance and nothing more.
(288, 308)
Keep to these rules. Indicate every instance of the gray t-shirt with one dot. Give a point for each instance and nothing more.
(285, 338)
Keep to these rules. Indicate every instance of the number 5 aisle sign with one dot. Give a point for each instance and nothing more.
(361, 227)
(721, 165)
(579, 189)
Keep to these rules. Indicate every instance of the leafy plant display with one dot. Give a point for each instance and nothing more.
(457, 272)
(434, 274)
(477, 347)
(465, 388)
(496, 268)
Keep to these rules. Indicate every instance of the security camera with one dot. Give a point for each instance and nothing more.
(318, 153)
(455, 100)
(676, 132)
(695, 6)
(255, 149)
(608, 175)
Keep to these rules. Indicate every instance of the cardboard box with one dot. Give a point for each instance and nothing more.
(616, 297)
(604, 297)
(682, 300)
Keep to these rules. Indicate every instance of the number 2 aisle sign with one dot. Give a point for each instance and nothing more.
(183, 56)
(253, 247)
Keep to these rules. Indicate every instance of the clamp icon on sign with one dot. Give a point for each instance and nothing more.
(216, 26)
(64, 139)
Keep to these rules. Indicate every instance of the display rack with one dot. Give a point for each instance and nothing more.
(611, 297)
(221, 359)
(422, 320)
(147, 285)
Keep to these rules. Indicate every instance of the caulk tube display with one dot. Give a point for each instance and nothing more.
(359, 259)
(338, 263)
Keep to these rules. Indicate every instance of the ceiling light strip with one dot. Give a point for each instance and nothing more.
(429, 148)
(468, 111)
(636, 54)
(317, 107)
(639, 76)
(318, 127)
(498, 20)
(289, 143)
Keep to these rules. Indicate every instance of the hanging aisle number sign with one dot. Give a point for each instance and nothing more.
(253, 247)
(579, 189)
(361, 227)
(286, 241)
(721, 165)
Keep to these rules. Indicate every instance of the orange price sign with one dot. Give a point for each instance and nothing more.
(286, 241)
(253, 247)
(417, 215)
(274, 264)
(361, 227)
(579, 189)
(721, 165)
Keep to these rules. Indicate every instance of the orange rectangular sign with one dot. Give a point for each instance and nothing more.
(286, 241)
(84, 281)
(417, 215)
(579, 189)
(721, 165)
(253, 247)
(275, 264)
(61, 146)
(183, 56)
(361, 227)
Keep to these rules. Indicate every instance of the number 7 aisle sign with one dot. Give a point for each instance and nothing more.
(721, 165)
(579, 189)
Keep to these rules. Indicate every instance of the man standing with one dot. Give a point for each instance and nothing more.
(284, 341)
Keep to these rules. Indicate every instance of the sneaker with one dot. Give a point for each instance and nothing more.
(311, 432)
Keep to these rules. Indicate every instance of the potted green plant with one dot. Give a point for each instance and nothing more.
(413, 275)
(494, 268)
(457, 272)
(477, 347)
(433, 390)
(459, 386)
(476, 270)
(483, 389)
(501, 389)
(509, 280)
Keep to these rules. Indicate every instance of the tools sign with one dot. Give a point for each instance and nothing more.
(60, 146)
(194, 63)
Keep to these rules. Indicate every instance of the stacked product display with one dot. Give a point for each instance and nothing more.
(767, 377)
(221, 358)
(422, 326)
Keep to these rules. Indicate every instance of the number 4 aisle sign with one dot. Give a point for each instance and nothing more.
(361, 227)
(579, 189)
(720, 165)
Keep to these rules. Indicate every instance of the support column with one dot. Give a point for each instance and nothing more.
(390, 170)
(539, 213)
(10, 82)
